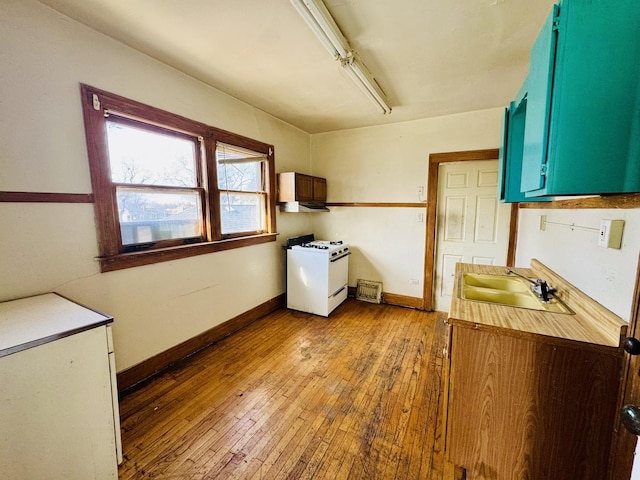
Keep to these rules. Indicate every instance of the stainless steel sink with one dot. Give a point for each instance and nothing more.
(507, 291)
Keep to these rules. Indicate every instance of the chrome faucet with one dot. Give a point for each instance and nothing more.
(539, 286)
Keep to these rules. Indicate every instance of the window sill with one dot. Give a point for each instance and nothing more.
(137, 259)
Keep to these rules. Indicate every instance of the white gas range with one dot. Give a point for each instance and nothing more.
(317, 274)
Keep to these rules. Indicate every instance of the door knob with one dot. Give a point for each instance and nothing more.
(631, 345)
(631, 418)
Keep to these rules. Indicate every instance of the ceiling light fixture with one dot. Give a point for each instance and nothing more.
(322, 24)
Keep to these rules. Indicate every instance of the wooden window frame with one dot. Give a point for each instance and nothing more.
(263, 191)
(96, 105)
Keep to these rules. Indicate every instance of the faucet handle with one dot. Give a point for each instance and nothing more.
(543, 290)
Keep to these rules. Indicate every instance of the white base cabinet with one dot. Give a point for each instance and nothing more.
(59, 416)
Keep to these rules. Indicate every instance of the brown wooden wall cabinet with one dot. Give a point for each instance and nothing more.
(532, 395)
(319, 189)
(298, 187)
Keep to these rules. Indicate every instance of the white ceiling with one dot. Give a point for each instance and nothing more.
(431, 57)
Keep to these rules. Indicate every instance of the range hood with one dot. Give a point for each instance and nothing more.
(303, 207)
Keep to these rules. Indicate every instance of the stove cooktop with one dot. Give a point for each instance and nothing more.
(322, 246)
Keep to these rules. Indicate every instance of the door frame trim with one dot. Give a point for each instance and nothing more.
(623, 443)
(435, 159)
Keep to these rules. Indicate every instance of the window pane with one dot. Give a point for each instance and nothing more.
(145, 157)
(148, 216)
(239, 169)
(242, 212)
(244, 177)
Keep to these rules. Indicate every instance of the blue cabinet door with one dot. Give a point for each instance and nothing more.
(539, 93)
(502, 159)
(510, 159)
(582, 132)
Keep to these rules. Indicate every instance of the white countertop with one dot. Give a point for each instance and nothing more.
(33, 321)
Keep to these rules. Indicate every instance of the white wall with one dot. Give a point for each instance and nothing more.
(387, 164)
(606, 275)
(51, 247)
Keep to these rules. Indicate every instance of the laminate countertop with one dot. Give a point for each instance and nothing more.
(29, 322)
(589, 325)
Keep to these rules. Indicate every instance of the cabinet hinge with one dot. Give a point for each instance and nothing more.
(543, 170)
(556, 18)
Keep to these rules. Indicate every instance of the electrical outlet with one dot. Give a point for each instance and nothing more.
(420, 217)
(414, 281)
(610, 235)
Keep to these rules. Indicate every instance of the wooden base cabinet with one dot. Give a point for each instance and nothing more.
(521, 407)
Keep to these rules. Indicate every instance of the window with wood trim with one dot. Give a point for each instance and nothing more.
(242, 191)
(166, 187)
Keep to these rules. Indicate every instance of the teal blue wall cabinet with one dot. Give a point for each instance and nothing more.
(512, 143)
(539, 91)
(582, 116)
(510, 159)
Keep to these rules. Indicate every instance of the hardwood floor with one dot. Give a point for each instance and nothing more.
(296, 396)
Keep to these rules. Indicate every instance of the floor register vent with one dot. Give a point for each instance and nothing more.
(369, 291)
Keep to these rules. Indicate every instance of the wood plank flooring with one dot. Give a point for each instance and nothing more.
(296, 396)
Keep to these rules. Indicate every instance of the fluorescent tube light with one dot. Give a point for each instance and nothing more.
(363, 78)
(319, 19)
(322, 24)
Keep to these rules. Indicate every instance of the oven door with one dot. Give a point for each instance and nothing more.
(338, 278)
(338, 273)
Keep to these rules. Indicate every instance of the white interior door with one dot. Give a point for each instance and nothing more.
(472, 226)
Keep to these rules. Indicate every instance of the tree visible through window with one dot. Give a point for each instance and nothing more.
(162, 182)
(242, 190)
(156, 182)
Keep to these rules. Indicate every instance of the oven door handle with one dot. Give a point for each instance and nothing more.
(340, 257)
(337, 292)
